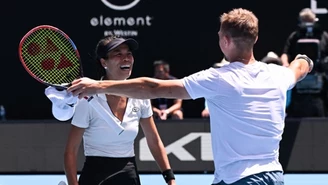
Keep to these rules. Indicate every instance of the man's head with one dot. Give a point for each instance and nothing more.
(238, 32)
(306, 15)
(161, 69)
(308, 25)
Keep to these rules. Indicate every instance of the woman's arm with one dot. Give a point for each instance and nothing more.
(71, 150)
(155, 145)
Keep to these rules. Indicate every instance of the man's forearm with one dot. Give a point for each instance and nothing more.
(302, 65)
(174, 107)
(155, 109)
(139, 88)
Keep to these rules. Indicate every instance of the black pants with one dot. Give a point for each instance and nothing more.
(109, 171)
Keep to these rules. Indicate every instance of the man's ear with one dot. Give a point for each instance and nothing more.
(226, 41)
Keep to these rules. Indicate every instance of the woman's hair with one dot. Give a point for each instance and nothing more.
(101, 52)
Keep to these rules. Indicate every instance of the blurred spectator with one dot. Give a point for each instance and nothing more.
(2, 113)
(273, 58)
(308, 39)
(205, 112)
(309, 97)
(165, 108)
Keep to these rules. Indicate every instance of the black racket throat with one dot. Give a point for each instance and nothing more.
(61, 87)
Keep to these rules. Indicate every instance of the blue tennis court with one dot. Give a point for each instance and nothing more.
(194, 179)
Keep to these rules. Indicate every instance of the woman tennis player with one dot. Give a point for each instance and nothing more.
(110, 158)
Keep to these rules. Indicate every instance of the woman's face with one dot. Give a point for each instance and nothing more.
(119, 63)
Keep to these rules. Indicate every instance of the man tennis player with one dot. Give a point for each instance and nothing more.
(246, 99)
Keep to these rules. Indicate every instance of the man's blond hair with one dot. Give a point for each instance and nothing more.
(307, 15)
(241, 25)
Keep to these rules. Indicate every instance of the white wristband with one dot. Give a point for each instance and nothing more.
(310, 62)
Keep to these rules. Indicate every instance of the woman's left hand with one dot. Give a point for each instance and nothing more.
(171, 182)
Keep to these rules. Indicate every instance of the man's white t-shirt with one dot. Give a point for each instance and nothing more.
(247, 107)
(99, 138)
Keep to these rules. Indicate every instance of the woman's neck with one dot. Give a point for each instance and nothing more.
(107, 77)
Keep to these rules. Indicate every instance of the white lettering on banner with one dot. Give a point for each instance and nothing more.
(121, 21)
(120, 7)
(316, 10)
(121, 33)
(177, 148)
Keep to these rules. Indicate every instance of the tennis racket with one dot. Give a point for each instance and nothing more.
(51, 57)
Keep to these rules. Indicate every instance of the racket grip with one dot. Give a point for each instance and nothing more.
(118, 129)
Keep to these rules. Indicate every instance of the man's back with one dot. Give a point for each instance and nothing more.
(247, 107)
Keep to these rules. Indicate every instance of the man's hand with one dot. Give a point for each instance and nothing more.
(84, 87)
(205, 113)
(157, 112)
(163, 115)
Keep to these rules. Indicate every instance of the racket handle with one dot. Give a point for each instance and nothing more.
(118, 129)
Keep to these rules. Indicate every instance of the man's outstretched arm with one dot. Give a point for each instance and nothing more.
(139, 88)
(301, 66)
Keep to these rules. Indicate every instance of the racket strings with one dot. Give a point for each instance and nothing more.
(51, 57)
